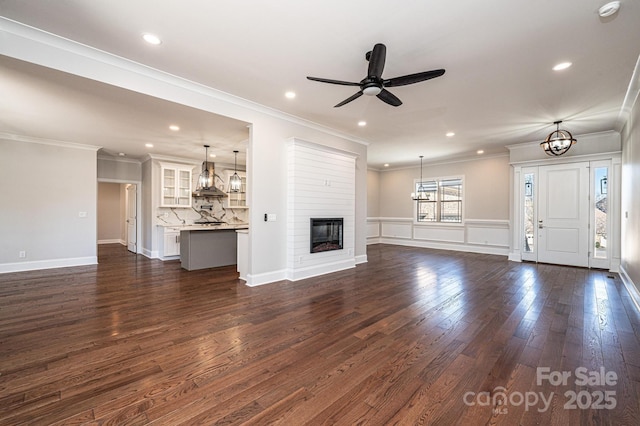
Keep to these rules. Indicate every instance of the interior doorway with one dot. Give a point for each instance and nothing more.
(119, 213)
(132, 217)
(565, 214)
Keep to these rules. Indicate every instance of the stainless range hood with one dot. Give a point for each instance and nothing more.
(206, 182)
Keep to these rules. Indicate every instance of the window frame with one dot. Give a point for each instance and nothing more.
(439, 201)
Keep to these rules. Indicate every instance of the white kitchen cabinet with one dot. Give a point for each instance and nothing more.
(235, 200)
(175, 185)
(171, 242)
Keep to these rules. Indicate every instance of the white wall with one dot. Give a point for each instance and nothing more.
(266, 157)
(486, 187)
(149, 240)
(486, 207)
(119, 169)
(373, 193)
(44, 188)
(630, 198)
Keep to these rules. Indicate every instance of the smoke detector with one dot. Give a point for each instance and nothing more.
(609, 9)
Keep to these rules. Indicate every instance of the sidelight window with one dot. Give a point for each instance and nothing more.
(529, 213)
(600, 209)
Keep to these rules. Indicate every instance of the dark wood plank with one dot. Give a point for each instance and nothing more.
(399, 340)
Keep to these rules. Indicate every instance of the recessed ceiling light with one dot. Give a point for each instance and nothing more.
(290, 95)
(562, 66)
(450, 134)
(609, 9)
(174, 127)
(386, 164)
(480, 151)
(152, 39)
(148, 145)
(362, 123)
(212, 155)
(121, 154)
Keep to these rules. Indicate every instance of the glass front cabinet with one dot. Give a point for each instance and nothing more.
(235, 200)
(175, 181)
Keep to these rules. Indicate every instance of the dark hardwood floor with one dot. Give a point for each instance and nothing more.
(415, 336)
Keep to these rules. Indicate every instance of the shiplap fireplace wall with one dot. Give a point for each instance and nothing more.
(321, 184)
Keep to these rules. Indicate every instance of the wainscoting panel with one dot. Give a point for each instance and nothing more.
(373, 229)
(395, 230)
(439, 233)
(474, 235)
(491, 233)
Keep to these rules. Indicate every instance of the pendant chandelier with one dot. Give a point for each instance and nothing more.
(558, 142)
(422, 191)
(235, 183)
(205, 180)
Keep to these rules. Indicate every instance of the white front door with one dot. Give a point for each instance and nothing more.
(563, 214)
(132, 224)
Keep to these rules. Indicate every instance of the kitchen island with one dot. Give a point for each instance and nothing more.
(207, 246)
(200, 246)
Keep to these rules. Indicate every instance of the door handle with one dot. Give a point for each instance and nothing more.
(540, 225)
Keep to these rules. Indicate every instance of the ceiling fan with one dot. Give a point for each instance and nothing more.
(374, 85)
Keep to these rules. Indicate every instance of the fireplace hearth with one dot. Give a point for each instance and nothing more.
(326, 234)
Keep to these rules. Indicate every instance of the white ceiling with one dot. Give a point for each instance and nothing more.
(498, 89)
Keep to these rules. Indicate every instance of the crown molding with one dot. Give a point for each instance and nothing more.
(583, 135)
(118, 159)
(52, 43)
(630, 97)
(45, 141)
(436, 162)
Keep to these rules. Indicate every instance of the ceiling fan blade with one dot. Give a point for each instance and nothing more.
(388, 97)
(346, 101)
(412, 78)
(376, 60)
(326, 80)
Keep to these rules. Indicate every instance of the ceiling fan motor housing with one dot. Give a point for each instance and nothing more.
(374, 84)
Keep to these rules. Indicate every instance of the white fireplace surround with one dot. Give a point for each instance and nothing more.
(320, 184)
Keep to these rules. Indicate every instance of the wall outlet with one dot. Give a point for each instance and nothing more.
(82, 214)
(22, 254)
(271, 217)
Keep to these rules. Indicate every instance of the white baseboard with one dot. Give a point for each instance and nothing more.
(316, 270)
(615, 265)
(253, 280)
(113, 241)
(361, 259)
(632, 289)
(503, 251)
(47, 264)
(266, 278)
(150, 254)
(515, 257)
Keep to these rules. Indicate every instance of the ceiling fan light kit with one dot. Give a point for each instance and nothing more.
(374, 85)
(558, 142)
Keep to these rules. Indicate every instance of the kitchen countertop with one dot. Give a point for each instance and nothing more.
(200, 227)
